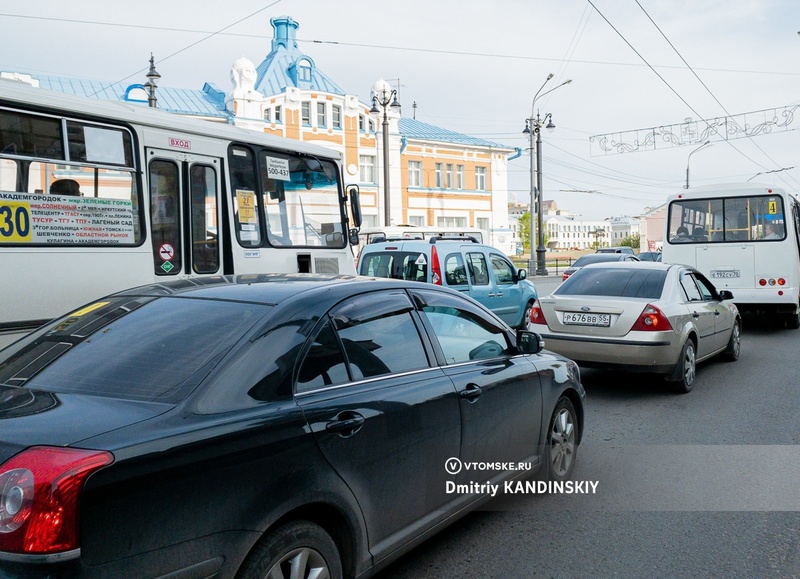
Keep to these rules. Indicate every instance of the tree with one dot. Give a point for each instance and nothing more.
(525, 232)
(631, 241)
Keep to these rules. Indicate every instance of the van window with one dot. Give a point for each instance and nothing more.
(454, 271)
(407, 265)
(503, 271)
(476, 263)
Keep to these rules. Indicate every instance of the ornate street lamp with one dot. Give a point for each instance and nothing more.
(150, 85)
(533, 126)
(385, 97)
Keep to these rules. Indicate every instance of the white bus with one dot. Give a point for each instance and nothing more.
(97, 196)
(745, 238)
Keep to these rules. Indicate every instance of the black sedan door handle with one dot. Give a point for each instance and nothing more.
(345, 424)
(471, 393)
(695, 315)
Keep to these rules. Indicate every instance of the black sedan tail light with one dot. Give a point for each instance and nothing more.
(39, 493)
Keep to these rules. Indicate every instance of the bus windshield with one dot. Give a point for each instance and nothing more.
(294, 202)
(725, 219)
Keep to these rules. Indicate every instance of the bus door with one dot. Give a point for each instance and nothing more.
(185, 213)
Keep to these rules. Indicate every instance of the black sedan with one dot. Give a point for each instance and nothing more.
(600, 257)
(268, 426)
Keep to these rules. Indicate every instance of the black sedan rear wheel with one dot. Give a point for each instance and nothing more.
(296, 550)
(561, 441)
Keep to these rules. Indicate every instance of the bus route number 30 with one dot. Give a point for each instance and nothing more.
(15, 222)
(278, 169)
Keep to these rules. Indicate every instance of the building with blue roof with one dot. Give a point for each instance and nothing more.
(436, 177)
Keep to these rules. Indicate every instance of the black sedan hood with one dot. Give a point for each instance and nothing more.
(33, 417)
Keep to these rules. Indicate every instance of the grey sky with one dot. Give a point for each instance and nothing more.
(473, 66)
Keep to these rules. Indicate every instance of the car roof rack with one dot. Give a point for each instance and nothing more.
(436, 238)
(394, 238)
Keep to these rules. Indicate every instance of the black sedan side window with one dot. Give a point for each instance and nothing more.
(383, 345)
(324, 363)
(461, 336)
(366, 336)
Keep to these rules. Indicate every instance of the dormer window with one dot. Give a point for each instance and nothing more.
(303, 70)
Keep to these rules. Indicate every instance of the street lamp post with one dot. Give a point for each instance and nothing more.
(533, 125)
(598, 233)
(384, 96)
(703, 146)
(152, 79)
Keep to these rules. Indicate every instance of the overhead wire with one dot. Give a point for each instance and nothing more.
(386, 47)
(705, 86)
(187, 47)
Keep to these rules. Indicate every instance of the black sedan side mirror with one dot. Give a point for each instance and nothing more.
(529, 342)
(725, 295)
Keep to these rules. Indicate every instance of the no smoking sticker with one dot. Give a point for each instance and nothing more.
(166, 252)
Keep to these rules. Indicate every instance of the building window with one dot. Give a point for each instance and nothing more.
(460, 177)
(367, 166)
(268, 115)
(480, 178)
(321, 115)
(305, 113)
(336, 116)
(449, 176)
(438, 170)
(304, 71)
(418, 220)
(451, 222)
(278, 114)
(362, 122)
(414, 174)
(482, 223)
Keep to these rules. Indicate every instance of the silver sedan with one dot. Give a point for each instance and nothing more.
(648, 316)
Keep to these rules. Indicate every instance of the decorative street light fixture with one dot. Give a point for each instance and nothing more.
(150, 85)
(598, 233)
(384, 96)
(533, 125)
(703, 146)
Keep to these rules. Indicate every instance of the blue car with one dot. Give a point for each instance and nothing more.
(461, 263)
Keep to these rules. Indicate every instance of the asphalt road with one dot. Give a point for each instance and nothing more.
(702, 484)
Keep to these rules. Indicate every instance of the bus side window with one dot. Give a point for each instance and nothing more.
(243, 192)
(165, 217)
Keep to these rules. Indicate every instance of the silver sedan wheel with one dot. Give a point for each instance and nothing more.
(303, 563)
(562, 441)
(688, 367)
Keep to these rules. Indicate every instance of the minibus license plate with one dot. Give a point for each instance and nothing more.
(725, 273)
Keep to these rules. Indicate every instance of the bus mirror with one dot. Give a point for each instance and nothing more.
(355, 204)
(354, 240)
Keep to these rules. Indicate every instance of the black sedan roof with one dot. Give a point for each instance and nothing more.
(267, 289)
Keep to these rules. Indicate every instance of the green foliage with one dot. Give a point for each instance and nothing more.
(631, 241)
(525, 233)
